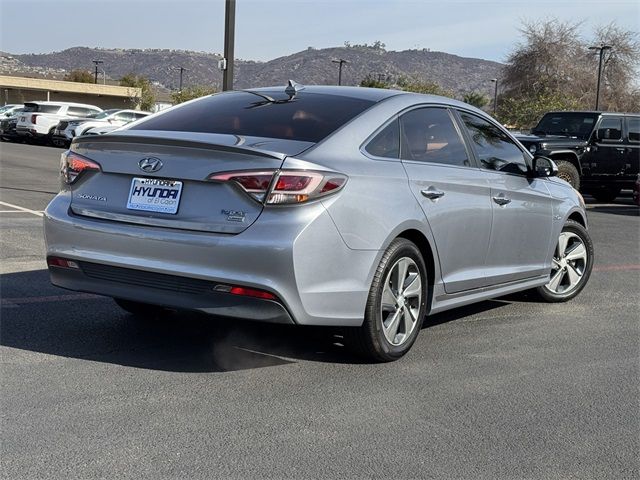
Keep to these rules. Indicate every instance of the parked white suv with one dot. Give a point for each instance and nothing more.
(74, 127)
(39, 119)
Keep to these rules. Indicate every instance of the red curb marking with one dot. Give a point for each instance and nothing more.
(615, 268)
(14, 302)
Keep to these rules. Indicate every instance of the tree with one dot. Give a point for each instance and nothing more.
(620, 68)
(372, 82)
(79, 75)
(553, 68)
(476, 99)
(406, 84)
(191, 93)
(147, 99)
(420, 86)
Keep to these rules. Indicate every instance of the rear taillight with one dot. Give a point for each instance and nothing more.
(72, 165)
(246, 292)
(281, 187)
(62, 263)
(33, 118)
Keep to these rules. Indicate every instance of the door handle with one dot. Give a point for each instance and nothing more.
(432, 194)
(621, 150)
(500, 199)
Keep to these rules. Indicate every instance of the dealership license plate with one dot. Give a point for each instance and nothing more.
(154, 195)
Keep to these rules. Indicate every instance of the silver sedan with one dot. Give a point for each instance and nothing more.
(361, 208)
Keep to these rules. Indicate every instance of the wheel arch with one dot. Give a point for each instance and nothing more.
(420, 240)
(577, 216)
(566, 155)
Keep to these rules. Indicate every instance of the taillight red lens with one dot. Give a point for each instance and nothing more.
(72, 165)
(61, 262)
(33, 118)
(289, 186)
(255, 184)
(252, 292)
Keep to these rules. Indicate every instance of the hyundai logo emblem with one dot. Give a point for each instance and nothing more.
(150, 164)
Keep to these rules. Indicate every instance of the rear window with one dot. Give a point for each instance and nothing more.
(36, 107)
(307, 117)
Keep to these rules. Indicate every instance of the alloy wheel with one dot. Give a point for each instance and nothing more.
(401, 301)
(569, 264)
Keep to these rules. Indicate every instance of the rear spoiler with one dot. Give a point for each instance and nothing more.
(142, 139)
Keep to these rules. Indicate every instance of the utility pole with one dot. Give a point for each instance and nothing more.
(602, 48)
(229, 39)
(97, 62)
(182, 70)
(341, 62)
(495, 97)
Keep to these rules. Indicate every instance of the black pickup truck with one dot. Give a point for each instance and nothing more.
(596, 152)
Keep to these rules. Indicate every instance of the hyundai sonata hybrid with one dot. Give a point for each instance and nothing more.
(362, 208)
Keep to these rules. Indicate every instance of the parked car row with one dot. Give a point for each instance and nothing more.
(58, 123)
(67, 129)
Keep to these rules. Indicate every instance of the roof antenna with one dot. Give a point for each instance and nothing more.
(293, 88)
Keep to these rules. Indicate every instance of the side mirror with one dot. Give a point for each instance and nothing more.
(544, 167)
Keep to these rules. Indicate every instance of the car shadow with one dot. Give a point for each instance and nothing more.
(628, 210)
(623, 205)
(38, 317)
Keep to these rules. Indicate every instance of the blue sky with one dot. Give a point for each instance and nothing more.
(267, 29)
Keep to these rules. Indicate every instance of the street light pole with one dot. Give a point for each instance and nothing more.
(229, 38)
(495, 97)
(601, 49)
(341, 62)
(97, 62)
(182, 70)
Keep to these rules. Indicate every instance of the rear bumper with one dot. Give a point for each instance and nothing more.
(29, 132)
(125, 283)
(294, 252)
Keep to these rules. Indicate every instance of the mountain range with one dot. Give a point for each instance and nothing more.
(310, 66)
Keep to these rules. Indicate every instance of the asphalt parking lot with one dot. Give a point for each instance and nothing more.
(506, 389)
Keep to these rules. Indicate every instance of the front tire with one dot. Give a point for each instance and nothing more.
(396, 305)
(571, 265)
(568, 172)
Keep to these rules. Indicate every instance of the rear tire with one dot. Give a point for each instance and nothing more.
(568, 172)
(572, 264)
(605, 194)
(396, 305)
(139, 309)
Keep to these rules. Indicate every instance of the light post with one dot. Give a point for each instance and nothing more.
(182, 70)
(602, 48)
(341, 62)
(495, 97)
(229, 38)
(96, 62)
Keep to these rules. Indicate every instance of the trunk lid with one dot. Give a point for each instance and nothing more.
(186, 159)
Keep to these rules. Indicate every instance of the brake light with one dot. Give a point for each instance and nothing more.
(252, 292)
(72, 165)
(61, 262)
(246, 292)
(33, 118)
(278, 187)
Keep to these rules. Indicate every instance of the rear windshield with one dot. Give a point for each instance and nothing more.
(35, 107)
(307, 117)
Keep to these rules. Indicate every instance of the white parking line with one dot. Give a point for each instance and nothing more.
(19, 211)
(22, 209)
